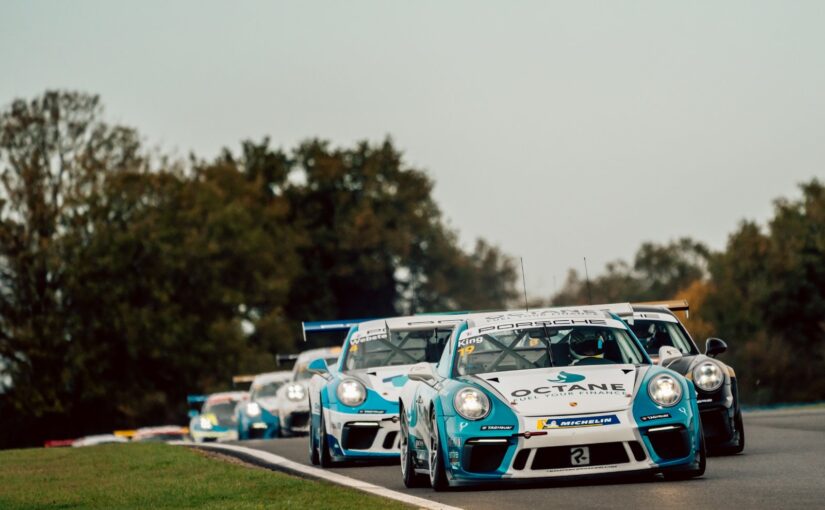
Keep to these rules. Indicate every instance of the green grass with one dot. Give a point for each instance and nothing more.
(158, 476)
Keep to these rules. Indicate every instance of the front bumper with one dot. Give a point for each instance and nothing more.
(205, 436)
(294, 418)
(718, 410)
(364, 436)
(619, 448)
(265, 426)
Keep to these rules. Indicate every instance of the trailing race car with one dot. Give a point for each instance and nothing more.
(656, 326)
(354, 405)
(216, 420)
(258, 416)
(291, 399)
(550, 393)
(160, 434)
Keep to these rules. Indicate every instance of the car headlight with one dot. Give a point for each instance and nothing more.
(352, 392)
(295, 392)
(471, 404)
(204, 423)
(708, 376)
(253, 409)
(665, 390)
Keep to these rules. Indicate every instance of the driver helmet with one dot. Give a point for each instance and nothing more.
(586, 344)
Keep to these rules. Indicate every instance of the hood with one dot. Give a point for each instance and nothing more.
(386, 381)
(268, 403)
(565, 390)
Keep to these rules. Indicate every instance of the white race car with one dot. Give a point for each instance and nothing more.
(291, 403)
(355, 403)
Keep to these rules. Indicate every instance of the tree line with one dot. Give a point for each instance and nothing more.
(129, 279)
(764, 294)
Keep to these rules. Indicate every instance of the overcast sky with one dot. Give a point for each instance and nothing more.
(555, 130)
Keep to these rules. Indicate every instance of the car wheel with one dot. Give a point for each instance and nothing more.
(438, 476)
(313, 447)
(411, 478)
(740, 431)
(324, 457)
(739, 435)
(692, 473)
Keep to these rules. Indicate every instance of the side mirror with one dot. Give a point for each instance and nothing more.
(422, 372)
(192, 413)
(715, 347)
(668, 354)
(318, 366)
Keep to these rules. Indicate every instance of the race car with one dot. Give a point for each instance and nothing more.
(258, 417)
(657, 326)
(216, 420)
(291, 399)
(160, 434)
(354, 405)
(546, 394)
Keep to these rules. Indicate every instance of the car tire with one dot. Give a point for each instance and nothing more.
(739, 445)
(408, 474)
(314, 458)
(324, 457)
(692, 473)
(438, 474)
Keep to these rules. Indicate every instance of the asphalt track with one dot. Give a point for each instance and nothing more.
(783, 466)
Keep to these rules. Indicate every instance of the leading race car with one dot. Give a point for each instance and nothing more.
(355, 403)
(291, 399)
(550, 393)
(657, 326)
(216, 420)
(258, 416)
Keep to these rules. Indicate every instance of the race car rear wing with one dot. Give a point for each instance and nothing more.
(674, 305)
(284, 358)
(245, 379)
(338, 325)
(195, 402)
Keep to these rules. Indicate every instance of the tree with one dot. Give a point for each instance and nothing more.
(658, 273)
(769, 300)
(53, 152)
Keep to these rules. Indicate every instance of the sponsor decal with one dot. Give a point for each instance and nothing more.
(570, 390)
(704, 400)
(371, 411)
(462, 425)
(355, 340)
(542, 323)
(469, 341)
(497, 427)
(655, 417)
(565, 377)
(566, 423)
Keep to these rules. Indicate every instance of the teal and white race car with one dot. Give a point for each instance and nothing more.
(216, 420)
(258, 417)
(546, 394)
(354, 403)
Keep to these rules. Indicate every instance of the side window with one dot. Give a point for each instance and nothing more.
(445, 364)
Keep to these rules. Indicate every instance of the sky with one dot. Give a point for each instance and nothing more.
(555, 130)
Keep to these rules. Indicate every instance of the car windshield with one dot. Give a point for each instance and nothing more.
(657, 334)
(265, 390)
(302, 373)
(224, 412)
(402, 348)
(523, 349)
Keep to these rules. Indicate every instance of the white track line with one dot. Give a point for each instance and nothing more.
(284, 464)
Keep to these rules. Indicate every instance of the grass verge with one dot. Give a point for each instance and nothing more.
(158, 476)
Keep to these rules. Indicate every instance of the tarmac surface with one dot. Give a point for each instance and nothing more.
(783, 466)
